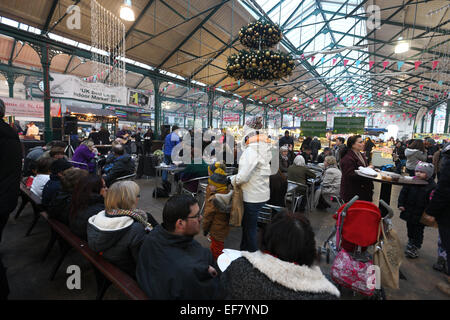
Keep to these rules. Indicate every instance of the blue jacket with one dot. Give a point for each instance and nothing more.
(169, 143)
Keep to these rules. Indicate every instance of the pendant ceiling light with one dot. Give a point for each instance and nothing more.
(126, 12)
(402, 46)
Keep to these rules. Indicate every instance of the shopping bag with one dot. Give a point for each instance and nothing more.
(352, 274)
(237, 207)
(388, 257)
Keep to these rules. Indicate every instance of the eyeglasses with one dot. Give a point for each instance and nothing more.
(198, 215)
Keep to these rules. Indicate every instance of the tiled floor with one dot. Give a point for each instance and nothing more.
(29, 276)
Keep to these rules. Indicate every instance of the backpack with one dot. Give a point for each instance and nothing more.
(163, 192)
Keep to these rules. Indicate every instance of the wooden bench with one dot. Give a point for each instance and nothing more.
(28, 196)
(105, 272)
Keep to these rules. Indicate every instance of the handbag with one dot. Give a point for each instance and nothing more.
(428, 220)
(351, 273)
(388, 256)
(237, 207)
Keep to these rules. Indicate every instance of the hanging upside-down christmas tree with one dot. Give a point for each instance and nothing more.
(260, 63)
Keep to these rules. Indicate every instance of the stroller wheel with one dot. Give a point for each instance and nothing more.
(328, 255)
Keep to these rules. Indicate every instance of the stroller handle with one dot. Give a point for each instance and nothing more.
(390, 213)
(350, 203)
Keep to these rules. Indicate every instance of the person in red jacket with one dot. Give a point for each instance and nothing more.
(351, 183)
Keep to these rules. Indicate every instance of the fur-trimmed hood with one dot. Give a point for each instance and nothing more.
(290, 275)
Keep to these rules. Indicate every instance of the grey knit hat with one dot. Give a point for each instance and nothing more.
(426, 167)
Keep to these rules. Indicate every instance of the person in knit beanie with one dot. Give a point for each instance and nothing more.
(412, 202)
(216, 221)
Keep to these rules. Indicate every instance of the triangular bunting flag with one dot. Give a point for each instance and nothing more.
(400, 64)
(435, 63)
(417, 64)
(345, 62)
(385, 64)
(334, 61)
(371, 63)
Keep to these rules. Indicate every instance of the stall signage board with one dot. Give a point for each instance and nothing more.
(28, 108)
(140, 99)
(231, 117)
(72, 87)
(314, 128)
(435, 136)
(349, 125)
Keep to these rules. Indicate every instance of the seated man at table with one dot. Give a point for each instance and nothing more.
(299, 173)
(121, 165)
(326, 152)
(171, 264)
(307, 154)
(196, 169)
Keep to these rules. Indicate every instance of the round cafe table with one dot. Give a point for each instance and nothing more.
(386, 186)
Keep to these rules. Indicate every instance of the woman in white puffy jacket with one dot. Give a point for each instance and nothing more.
(331, 182)
(253, 177)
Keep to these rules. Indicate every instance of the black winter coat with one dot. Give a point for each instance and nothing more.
(415, 198)
(278, 188)
(286, 140)
(10, 168)
(123, 165)
(59, 206)
(439, 206)
(258, 276)
(173, 267)
(51, 188)
(78, 224)
(315, 145)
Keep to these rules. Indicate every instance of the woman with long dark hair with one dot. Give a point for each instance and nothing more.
(148, 139)
(414, 153)
(351, 159)
(368, 146)
(87, 200)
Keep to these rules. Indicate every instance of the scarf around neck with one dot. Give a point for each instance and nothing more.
(136, 214)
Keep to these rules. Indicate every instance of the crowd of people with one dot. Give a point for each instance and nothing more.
(278, 261)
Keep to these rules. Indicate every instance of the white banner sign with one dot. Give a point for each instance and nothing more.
(72, 87)
(28, 108)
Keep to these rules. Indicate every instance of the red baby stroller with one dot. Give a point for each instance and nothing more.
(356, 230)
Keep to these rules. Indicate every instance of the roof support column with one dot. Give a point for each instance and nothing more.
(45, 61)
(433, 115)
(11, 79)
(423, 122)
(157, 129)
(266, 117)
(447, 117)
(210, 107)
(244, 109)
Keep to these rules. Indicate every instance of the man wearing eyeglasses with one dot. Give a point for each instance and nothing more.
(171, 264)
